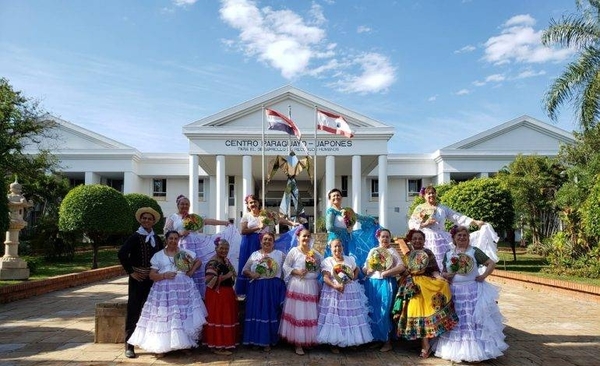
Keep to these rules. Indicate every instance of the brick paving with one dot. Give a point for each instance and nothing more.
(542, 328)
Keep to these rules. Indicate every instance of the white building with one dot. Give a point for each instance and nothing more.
(224, 162)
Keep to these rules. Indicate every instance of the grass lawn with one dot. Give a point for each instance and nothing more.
(532, 264)
(82, 262)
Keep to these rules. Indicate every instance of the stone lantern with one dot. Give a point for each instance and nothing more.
(11, 266)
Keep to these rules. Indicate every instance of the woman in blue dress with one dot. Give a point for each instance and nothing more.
(265, 294)
(339, 223)
(382, 265)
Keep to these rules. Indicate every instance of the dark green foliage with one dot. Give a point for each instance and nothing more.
(482, 199)
(4, 218)
(590, 214)
(137, 201)
(97, 211)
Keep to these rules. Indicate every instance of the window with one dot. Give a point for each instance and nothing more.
(231, 190)
(200, 189)
(344, 186)
(414, 186)
(374, 188)
(159, 187)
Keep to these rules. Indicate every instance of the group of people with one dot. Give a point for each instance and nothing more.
(362, 290)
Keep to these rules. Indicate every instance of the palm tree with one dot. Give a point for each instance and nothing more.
(580, 82)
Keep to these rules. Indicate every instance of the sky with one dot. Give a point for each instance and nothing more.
(137, 71)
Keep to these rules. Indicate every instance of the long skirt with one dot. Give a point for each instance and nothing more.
(172, 317)
(264, 302)
(439, 242)
(222, 323)
(479, 334)
(204, 248)
(250, 244)
(381, 293)
(425, 308)
(300, 312)
(343, 316)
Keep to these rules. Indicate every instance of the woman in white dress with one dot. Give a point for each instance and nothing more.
(192, 239)
(174, 314)
(343, 307)
(479, 334)
(300, 310)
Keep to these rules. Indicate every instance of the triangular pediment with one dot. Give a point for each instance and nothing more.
(67, 136)
(519, 134)
(248, 118)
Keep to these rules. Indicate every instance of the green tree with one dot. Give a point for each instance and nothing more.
(23, 128)
(4, 218)
(533, 182)
(97, 211)
(483, 199)
(580, 82)
(137, 201)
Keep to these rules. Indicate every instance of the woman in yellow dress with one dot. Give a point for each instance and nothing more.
(423, 307)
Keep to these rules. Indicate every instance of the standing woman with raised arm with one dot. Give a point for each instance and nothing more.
(339, 223)
(430, 217)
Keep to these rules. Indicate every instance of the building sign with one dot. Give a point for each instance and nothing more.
(279, 146)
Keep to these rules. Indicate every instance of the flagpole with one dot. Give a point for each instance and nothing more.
(289, 207)
(262, 176)
(315, 198)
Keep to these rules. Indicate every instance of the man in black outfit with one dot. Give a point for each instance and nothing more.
(135, 255)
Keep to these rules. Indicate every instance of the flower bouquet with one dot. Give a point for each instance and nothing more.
(266, 267)
(342, 273)
(461, 263)
(425, 213)
(268, 218)
(192, 222)
(310, 263)
(380, 260)
(349, 217)
(183, 261)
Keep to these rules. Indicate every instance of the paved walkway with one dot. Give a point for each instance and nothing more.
(58, 329)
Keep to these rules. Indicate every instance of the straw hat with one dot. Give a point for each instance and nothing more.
(143, 210)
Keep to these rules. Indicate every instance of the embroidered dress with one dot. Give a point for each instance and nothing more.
(343, 316)
(479, 334)
(381, 293)
(356, 243)
(222, 325)
(264, 299)
(203, 246)
(173, 316)
(424, 306)
(437, 239)
(300, 309)
(250, 244)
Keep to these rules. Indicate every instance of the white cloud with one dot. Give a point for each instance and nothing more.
(463, 92)
(377, 74)
(465, 49)
(479, 83)
(363, 29)
(432, 98)
(519, 42)
(495, 78)
(530, 73)
(298, 46)
(184, 2)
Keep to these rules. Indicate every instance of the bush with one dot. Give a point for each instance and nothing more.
(97, 211)
(590, 213)
(137, 201)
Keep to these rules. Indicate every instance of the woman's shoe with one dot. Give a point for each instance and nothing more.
(425, 353)
(335, 350)
(386, 347)
(267, 349)
(299, 351)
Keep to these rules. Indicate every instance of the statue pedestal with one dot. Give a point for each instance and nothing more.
(11, 266)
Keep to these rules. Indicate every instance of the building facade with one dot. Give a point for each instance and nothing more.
(226, 160)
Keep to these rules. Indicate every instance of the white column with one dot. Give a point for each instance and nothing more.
(130, 183)
(442, 176)
(221, 193)
(484, 175)
(329, 176)
(383, 183)
(247, 179)
(92, 178)
(193, 182)
(356, 184)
